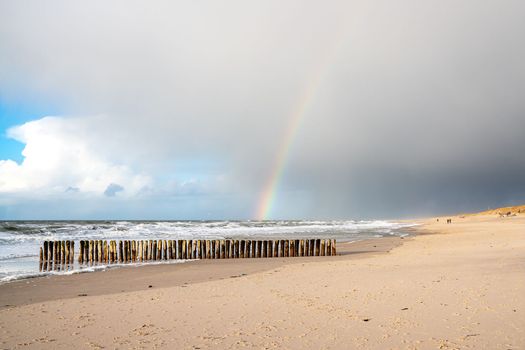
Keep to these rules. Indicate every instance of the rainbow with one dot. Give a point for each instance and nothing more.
(306, 98)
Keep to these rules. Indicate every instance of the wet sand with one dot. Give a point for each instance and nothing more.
(136, 278)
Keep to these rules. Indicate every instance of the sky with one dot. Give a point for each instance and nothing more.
(260, 109)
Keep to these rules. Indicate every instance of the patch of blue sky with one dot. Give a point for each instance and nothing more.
(13, 113)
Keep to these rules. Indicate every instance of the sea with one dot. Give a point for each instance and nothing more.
(20, 240)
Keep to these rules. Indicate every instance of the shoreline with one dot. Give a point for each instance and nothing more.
(139, 277)
(449, 287)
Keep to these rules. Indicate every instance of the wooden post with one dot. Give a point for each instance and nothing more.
(226, 249)
(45, 251)
(231, 253)
(264, 249)
(312, 245)
(51, 254)
(192, 249)
(89, 257)
(259, 249)
(223, 249)
(105, 251)
(62, 251)
(334, 252)
(317, 246)
(184, 249)
(292, 248)
(179, 249)
(81, 252)
(189, 249)
(200, 250)
(153, 249)
(190, 253)
(248, 248)
(328, 247)
(242, 248)
(286, 248)
(120, 252)
(72, 253)
(217, 244)
(253, 247)
(41, 257)
(323, 247)
(275, 248)
(96, 251)
(66, 253)
(207, 248)
(235, 245)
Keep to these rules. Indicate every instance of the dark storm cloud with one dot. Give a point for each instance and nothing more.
(419, 109)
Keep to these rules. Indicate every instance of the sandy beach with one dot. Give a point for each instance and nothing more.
(453, 286)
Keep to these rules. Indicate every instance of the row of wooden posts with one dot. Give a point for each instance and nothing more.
(124, 251)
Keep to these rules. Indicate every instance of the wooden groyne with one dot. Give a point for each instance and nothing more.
(132, 251)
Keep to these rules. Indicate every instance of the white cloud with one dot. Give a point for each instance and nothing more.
(61, 154)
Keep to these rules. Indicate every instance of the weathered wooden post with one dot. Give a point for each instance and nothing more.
(334, 251)
(312, 246)
(169, 242)
(120, 251)
(59, 252)
(286, 248)
(231, 249)
(90, 251)
(51, 254)
(323, 247)
(292, 248)
(96, 251)
(184, 249)
(242, 248)
(222, 249)
(317, 246)
(264, 249)
(72, 253)
(247, 248)
(199, 249)
(208, 249)
(81, 252)
(189, 249)
(217, 244)
(67, 246)
(179, 249)
(235, 245)
(226, 249)
(45, 251)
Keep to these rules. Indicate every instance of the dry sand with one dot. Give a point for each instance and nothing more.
(461, 288)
